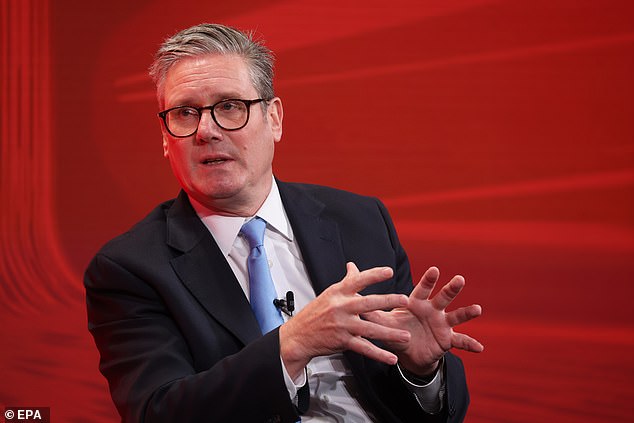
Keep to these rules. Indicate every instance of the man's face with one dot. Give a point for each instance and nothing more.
(227, 171)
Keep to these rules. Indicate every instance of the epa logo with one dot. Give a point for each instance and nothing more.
(27, 414)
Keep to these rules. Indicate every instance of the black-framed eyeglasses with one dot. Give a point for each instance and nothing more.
(230, 114)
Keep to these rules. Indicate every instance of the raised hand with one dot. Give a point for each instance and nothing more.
(431, 327)
(331, 323)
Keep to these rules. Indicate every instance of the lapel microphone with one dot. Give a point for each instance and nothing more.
(286, 305)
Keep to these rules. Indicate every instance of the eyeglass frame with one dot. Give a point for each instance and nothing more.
(247, 103)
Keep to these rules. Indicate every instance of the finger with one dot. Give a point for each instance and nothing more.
(356, 281)
(448, 293)
(463, 314)
(379, 332)
(466, 343)
(425, 286)
(366, 303)
(368, 349)
(351, 268)
(379, 317)
(392, 319)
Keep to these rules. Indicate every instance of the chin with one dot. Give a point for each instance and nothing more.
(219, 191)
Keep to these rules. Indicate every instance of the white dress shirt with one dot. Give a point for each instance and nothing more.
(329, 377)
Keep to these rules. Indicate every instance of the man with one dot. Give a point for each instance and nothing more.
(170, 302)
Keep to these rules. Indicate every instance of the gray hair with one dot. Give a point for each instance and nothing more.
(215, 39)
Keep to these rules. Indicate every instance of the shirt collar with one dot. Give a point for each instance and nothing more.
(225, 229)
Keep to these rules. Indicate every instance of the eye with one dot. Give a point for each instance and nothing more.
(186, 112)
(229, 106)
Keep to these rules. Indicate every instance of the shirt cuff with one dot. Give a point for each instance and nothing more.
(293, 385)
(430, 396)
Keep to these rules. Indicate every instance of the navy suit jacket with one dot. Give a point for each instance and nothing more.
(178, 340)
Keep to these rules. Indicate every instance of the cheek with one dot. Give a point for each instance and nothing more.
(260, 155)
(177, 156)
(256, 152)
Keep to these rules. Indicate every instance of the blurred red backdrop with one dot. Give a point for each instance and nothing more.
(500, 134)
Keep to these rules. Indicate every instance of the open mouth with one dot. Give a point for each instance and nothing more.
(211, 162)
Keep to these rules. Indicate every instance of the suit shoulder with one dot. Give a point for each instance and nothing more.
(141, 234)
(332, 196)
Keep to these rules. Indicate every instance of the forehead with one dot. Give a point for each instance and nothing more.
(206, 78)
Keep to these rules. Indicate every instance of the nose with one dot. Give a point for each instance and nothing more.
(208, 130)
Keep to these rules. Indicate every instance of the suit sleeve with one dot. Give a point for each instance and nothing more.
(152, 374)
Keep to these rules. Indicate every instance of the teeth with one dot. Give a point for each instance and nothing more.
(210, 161)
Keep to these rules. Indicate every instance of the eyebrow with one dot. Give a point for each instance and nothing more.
(188, 101)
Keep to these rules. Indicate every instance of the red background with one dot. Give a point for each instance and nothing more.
(500, 134)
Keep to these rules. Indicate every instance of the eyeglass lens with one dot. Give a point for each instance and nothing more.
(228, 114)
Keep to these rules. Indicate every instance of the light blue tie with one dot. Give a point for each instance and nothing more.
(261, 288)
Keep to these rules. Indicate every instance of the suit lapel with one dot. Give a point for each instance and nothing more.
(203, 269)
(317, 236)
(319, 240)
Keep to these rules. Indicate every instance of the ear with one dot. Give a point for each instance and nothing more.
(165, 145)
(275, 114)
(165, 136)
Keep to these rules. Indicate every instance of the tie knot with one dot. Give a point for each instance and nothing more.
(253, 231)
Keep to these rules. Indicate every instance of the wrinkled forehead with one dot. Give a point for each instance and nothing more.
(226, 74)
